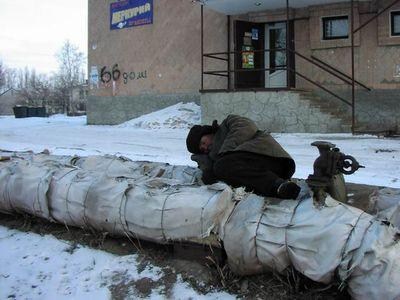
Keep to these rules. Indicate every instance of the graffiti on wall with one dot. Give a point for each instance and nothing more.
(114, 74)
(113, 77)
(134, 76)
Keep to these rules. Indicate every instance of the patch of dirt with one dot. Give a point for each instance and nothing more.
(358, 195)
(145, 285)
(203, 277)
(142, 287)
(385, 150)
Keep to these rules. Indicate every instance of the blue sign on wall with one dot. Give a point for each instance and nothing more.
(129, 13)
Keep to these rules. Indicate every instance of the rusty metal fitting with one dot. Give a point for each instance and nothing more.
(328, 170)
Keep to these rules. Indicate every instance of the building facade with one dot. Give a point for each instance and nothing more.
(159, 64)
(232, 57)
(8, 99)
(78, 100)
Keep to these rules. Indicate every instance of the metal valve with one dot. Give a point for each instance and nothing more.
(347, 162)
(329, 168)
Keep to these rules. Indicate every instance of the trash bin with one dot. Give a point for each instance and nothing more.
(32, 112)
(41, 112)
(20, 111)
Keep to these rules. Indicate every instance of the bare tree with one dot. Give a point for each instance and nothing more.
(55, 92)
(8, 77)
(2, 75)
(71, 63)
(11, 77)
(34, 89)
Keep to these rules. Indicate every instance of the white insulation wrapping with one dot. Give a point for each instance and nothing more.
(335, 241)
(152, 201)
(385, 203)
(164, 203)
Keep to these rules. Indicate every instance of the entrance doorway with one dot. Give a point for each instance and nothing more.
(252, 39)
(249, 58)
(275, 61)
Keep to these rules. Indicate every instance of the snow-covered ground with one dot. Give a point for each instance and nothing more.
(160, 136)
(41, 267)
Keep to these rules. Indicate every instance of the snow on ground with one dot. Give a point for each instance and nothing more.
(178, 116)
(41, 267)
(160, 136)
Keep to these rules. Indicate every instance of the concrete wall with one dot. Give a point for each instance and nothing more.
(272, 111)
(289, 112)
(118, 109)
(375, 111)
(163, 58)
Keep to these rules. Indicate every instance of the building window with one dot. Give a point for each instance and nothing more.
(335, 27)
(395, 23)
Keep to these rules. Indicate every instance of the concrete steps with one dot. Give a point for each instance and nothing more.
(328, 108)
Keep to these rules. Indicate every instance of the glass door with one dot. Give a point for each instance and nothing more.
(275, 41)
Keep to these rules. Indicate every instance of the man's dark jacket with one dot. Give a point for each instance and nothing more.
(239, 134)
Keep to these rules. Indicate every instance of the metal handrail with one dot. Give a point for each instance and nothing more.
(241, 51)
(321, 87)
(376, 16)
(212, 55)
(216, 74)
(340, 72)
(244, 70)
(215, 57)
(321, 65)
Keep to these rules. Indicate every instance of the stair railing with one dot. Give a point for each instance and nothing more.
(340, 72)
(314, 61)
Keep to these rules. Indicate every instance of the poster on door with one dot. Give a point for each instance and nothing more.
(247, 57)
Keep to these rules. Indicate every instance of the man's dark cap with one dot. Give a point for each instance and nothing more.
(194, 137)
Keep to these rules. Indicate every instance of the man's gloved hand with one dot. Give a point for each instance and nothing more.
(203, 161)
(205, 164)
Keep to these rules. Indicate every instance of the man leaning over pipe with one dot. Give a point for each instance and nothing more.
(240, 154)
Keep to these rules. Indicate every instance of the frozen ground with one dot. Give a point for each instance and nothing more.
(161, 137)
(42, 267)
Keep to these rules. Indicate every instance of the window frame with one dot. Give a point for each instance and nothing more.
(394, 13)
(330, 18)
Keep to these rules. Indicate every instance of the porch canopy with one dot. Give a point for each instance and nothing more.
(237, 7)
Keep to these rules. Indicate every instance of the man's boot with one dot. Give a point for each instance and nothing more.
(288, 190)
